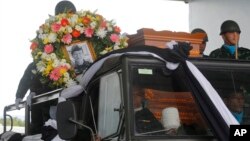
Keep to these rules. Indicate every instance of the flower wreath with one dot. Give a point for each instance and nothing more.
(67, 28)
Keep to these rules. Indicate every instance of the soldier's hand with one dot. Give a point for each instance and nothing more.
(29, 98)
(17, 102)
(183, 48)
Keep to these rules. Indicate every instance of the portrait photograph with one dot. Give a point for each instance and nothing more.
(80, 55)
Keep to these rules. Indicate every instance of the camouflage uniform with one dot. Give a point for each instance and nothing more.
(243, 53)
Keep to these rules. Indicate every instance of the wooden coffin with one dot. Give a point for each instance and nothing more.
(146, 36)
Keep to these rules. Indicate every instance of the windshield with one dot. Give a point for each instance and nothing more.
(233, 85)
(163, 105)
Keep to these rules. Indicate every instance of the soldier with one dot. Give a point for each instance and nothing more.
(204, 42)
(230, 33)
(30, 81)
(235, 102)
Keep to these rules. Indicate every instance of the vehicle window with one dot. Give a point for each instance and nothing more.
(164, 105)
(234, 88)
(109, 105)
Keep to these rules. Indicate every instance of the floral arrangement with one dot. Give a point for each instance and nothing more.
(67, 28)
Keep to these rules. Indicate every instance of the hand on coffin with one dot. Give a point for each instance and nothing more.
(183, 48)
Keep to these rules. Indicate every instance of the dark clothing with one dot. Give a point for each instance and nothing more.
(11, 136)
(243, 53)
(30, 81)
(82, 68)
(246, 117)
(39, 113)
(48, 133)
(145, 121)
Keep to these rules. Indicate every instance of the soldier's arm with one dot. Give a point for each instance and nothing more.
(24, 84)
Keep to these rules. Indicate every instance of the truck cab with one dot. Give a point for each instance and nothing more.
(140, 95)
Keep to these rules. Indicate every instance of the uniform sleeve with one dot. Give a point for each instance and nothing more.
(25, 82)
(213, 54)
(244, 53)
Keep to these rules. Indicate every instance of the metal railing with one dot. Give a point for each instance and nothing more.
(36, 100)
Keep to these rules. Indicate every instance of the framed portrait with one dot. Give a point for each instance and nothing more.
(80, 55)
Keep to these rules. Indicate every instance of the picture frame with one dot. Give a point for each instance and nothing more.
(80, 55)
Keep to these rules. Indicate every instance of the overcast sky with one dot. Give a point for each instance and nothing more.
(21, 19)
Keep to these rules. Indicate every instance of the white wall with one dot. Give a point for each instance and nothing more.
(210, 14)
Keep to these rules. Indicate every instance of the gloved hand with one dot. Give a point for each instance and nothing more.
(17, 102)
(29, 98)
(183, 48)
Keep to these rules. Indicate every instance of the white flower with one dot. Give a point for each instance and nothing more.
(42, 36)
(52, 18)
(66, 76)
(101, 33)
(70, 83)
(62, 29)
(69, 29)
(40, 31)
(125, 44)
(93, 24)
(63, 61)
(82, 13)
(56, 63)
(116, 47)
(103, 52)
(52, 37)
(47, 21)
(110, 28)
(53, 56)
(43, 56)
(73, 20)
(79, 28)
(40, 66)
(46, 57)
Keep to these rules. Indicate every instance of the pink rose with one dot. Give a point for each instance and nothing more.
(67, 38)
(114, 38)
(55, 74)
(89, 32)
(48, 48)
(55, 27)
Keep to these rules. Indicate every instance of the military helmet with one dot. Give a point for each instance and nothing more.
(229, 26)
(64, 6)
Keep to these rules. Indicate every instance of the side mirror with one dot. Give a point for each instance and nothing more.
(66, 111)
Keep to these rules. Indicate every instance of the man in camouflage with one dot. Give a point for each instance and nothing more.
(230, 33)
